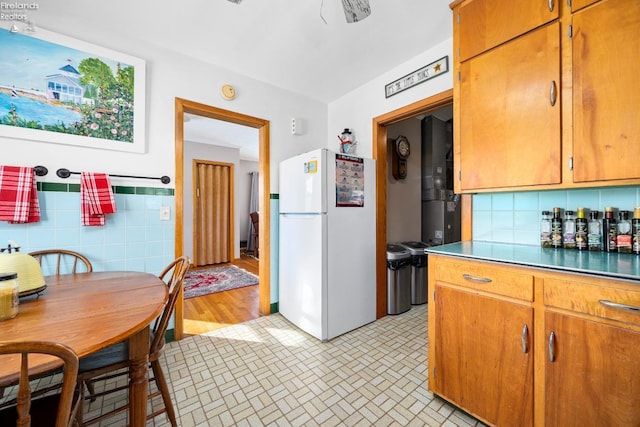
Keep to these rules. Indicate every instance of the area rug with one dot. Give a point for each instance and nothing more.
(217, 279)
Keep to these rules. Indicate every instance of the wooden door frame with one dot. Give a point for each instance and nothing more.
(183, 106)
(380, 123)
(231, 243)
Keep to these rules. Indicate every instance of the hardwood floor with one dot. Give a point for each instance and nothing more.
(215, 311)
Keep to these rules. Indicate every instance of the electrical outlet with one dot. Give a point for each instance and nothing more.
(165, 213)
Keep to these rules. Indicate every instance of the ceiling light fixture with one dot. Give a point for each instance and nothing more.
(356, 10)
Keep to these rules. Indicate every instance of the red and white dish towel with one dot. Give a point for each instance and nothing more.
(96, 198)
(18, 195)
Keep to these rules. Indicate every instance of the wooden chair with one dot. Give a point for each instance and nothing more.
(65, 261)
(254, 235)
(113, 361)
(59, 409)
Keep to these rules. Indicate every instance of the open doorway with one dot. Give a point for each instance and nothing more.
(183, 107)
(381, 154)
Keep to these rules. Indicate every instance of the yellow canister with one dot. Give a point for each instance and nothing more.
(8, 295)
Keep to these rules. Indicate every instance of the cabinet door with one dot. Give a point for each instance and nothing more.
(593, 379)
(579, 4)
(606, 43)
(488, 23)
(509, 126)
(479, 360)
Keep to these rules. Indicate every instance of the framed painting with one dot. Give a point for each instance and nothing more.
(57, 89)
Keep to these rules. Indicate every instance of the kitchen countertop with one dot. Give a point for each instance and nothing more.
(620, 266)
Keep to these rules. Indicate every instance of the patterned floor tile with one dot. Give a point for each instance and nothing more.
(266, 372)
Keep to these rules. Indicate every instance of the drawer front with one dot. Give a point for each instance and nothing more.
(497, 280)
(601, 301)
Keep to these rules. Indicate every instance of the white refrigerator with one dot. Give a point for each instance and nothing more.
(327, 275)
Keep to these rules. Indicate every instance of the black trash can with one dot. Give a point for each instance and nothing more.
(398, 279)
(418, 271)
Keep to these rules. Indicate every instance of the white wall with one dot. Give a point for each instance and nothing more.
(170, 75)
(356, 109)
(404, 206)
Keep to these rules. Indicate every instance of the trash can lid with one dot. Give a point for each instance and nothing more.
(397, 251)
(416, 248)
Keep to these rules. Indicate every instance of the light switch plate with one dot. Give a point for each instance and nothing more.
(165, 213)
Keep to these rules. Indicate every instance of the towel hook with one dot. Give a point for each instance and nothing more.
(40, 170)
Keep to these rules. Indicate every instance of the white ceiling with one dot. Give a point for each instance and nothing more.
(285, 43)
(216, 132)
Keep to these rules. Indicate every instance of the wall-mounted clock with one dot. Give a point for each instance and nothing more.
(401, 151)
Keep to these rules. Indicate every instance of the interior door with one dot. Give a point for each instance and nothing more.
(213, 212)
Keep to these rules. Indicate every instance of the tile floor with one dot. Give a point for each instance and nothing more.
(265, 372)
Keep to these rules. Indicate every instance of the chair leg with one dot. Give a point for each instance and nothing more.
(91, 390)
(161, 382)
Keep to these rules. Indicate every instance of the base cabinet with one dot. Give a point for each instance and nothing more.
(518, 346)
(592, 373)
(483, 360)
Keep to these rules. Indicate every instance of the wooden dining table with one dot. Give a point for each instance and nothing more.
(88, 312)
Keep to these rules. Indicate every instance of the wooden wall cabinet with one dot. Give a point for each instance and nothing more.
(520, 346)
(606, 135)
(509, 113)
(510, 62)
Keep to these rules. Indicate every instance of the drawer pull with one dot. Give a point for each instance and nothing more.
(525, 339)
(552, 94)
(617, 305)
(552, 345)
(476, 279)
(550, 2)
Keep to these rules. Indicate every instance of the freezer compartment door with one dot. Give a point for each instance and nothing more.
(303, 183)
(303, 266)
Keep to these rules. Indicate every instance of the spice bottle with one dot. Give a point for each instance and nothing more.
(581, 230)
(545, 229)
(8, 295)
(594, 237)
(623, 238)
(635, 231)
(609, 230)
(556, 229)
(569, 230)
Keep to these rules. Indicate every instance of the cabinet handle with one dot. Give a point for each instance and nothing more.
(552, 344)
(476, 279)
(552, 93)
(618, 305)
(525, 339)
(550, 5)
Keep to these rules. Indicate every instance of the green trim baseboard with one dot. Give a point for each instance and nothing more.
(273, 196)
(117, 189)
(170, 335)
(274, 308)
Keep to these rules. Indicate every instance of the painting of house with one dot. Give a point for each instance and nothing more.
(65, 86)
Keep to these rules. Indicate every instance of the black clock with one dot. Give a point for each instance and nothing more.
(402, 147)
(401, 151)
